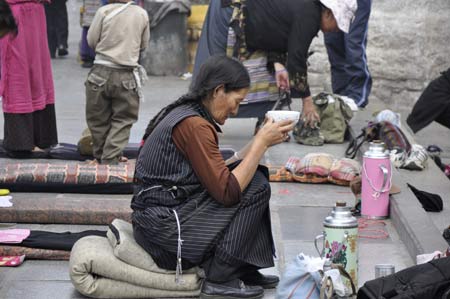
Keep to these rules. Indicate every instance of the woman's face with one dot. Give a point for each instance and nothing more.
(225, 104)
(328, 22)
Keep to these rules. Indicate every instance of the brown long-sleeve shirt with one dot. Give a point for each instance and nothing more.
(197, 139)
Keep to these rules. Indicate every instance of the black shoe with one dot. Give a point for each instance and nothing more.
(258, 279)
(235, 290)
(62, 51)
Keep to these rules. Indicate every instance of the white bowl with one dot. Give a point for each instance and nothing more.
(278, 115)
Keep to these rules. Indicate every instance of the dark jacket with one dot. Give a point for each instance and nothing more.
(284, 26)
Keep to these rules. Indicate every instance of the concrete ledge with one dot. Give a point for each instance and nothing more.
(416, 228)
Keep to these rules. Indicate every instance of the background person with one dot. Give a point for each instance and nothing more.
(273, 29)
(57, 27)
(26, 82)
(119, 31)
(186, 191)
(350, 75)
(87, 13)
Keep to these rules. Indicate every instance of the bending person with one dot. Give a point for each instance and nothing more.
(350, 75)
(433, 104)
(273, 31)
(192, 208)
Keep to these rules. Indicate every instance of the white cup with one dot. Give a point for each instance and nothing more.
(279, 115)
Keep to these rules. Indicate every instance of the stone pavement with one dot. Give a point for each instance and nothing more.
(297, 214)
(297, 209)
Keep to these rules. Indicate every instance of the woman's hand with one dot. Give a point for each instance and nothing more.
(281, 76)
(309, 113)
(272, 133)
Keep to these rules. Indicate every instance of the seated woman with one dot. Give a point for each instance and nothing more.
(192, 208)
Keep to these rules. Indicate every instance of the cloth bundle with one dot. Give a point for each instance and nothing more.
(317, 168)
(117, 267)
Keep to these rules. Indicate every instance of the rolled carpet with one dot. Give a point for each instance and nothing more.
(66, 177)
(34, 253)
(88, 209)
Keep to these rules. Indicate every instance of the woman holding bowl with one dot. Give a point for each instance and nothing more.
(193, 208)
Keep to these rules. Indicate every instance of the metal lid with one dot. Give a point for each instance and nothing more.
(377, 150)
(341, 216)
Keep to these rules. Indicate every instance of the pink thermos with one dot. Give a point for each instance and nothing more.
(376, 182)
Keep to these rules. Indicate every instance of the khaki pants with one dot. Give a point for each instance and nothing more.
(112, 106)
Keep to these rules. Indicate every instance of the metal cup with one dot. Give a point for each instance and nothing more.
(384, 270)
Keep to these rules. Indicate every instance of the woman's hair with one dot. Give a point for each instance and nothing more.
(7, 21)
(215, 71)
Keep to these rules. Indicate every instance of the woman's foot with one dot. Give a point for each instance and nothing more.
(258, 279)
(234, 289)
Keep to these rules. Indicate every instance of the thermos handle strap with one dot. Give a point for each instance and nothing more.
(384, 188)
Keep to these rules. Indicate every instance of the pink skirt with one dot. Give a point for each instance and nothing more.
(26, 73)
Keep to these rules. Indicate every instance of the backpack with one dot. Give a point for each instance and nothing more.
(425, 281)
(334, 116)
(391, 135)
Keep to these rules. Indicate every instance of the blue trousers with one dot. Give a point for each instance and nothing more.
(350, 75)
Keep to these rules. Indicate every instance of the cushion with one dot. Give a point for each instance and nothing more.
(121, 239)
(96, 272)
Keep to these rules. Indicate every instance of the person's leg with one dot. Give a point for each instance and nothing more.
(87, 55)
(335, 44)
(360, 83)
(44, 127)
(98, 108)
(246, 246)
(15, 126)
(432, 105)
(125, 108)
(51, 17)
(62, 27)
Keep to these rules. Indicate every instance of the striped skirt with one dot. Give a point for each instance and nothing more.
(240, 234)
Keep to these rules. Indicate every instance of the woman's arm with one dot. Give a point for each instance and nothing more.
(271, 133)
(239, 155)
(198, 142)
